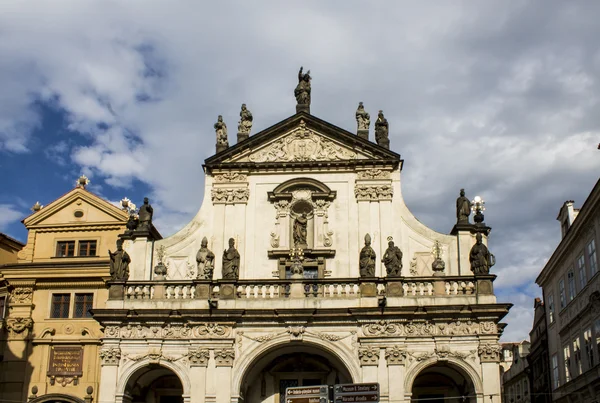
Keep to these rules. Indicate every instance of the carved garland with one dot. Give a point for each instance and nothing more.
(21, 295)
(373, 173)
(390, 329)
(231, 177)
(18, 325)
(169, 331)
(230, 195)
(370, 192)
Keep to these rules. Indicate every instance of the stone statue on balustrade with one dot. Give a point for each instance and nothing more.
(480, 257)
(231, 262)
(392, 259)
(300, 232)
(382, 131)
(463, 208)
(363, 121)
(366, 262)
(119, 263)
(245, 123)
(145, 215)
(206, 261)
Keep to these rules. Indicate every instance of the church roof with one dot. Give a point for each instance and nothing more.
(358, 151)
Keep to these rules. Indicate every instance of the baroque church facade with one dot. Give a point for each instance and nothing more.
(302, 267)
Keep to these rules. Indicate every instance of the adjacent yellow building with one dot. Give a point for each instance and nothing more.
(49, 341)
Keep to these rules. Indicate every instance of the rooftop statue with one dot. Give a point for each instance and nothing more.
(221, 131)
(363, 121)
(302, 91)
(245, 123)
(480, 257)
(366, 261)
(463, 208)
(231, 262)
(382, 131)
(145, 215)
(119, 263)
(392, 259)
(205, 260)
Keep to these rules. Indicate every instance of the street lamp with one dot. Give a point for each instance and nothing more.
(478, 206)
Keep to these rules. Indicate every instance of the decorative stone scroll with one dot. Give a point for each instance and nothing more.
(457, 328)
(489, 352)
(441, 353)
(21, 295)
(154, 356)
(230, 195)
(303, 145)
(373, 173)
(198, 357)
(224, 357)
(373, 192)
(231, 177)
(169, 331)
(368, 356)
(18, 325)
(110, 356)
(296, 332)
(395, 355)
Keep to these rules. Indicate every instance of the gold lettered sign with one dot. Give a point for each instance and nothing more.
(66, 361)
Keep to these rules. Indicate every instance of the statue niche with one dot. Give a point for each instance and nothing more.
(302, 215)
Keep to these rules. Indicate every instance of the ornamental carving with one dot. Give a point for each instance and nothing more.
(230, 195)
(224, 357)
(18, 325)
(198, 357)
(373, 174)
(368, 356)
(110, 356)
(231, 177)
(395, 355)
(168, 331)
(379, 192)
(489, 352)
(302, 145)
(154, 356)
(212, 329)
(417, 329)
(21, 295)
(296, 332)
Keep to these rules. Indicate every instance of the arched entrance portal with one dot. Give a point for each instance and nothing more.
(153, 384)
(443, 383)
(283, 367)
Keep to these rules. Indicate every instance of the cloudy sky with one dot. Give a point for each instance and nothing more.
(501, 98)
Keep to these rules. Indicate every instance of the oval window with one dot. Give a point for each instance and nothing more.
(78, 214)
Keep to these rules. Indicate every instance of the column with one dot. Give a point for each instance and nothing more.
(223, 364)
(199, 358)
(396, 358)
(109, 373)
(369, 361)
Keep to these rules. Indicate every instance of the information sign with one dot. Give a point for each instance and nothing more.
(356, 393)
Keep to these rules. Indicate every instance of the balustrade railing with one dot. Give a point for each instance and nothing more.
(338, 288)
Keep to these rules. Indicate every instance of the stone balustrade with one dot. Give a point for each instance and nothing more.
(409, 287)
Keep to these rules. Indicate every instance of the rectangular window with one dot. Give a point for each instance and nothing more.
(591, 250)
(60, 305)
(87, 248)
(561, 291)
(567, 358)
(589, 347)
(555, 379)
(551, 308)
(577, 357)
(65, 249)
(2, 306)
(83, 304)
(571, 280)
(582, 273)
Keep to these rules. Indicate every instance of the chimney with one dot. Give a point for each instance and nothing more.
(566, 216)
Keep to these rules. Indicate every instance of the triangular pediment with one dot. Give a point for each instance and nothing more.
(303, 138)
(77, 207)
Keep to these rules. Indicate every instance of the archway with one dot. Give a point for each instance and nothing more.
(443, 382)
(56, 398)
(153, 384)
(302, 364)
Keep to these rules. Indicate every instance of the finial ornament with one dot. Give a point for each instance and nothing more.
(221, 132)
(302, 92)
(245, 124)
(438, 264)
(36, 207)
(82, 182)
(363, 120)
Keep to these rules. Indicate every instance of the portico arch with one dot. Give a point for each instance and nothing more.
(56, 398)
(443, 379)
(259, 375)
(166, 380)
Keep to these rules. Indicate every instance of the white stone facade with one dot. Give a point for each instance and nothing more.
(244, 340)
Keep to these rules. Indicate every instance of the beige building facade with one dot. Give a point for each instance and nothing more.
(293, 305)
(571, 287)
(49, 340)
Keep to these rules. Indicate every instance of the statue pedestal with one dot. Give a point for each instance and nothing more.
(363, 134)
(203, 290)
(485, 284)
(394, 288)
(221, 147)
(303, 108)
(242, 136)
(368, 288)
(116, 290)
(439, 287)
(227, 290)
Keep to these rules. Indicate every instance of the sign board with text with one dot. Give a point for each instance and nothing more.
(66, 361)
(356, 393)
(307, 394)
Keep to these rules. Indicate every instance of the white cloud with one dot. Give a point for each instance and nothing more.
(8, 215)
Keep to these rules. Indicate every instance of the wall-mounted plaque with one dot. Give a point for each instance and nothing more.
(66, 361)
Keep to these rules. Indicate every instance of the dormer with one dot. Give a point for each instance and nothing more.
(566, 216)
